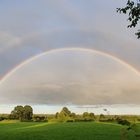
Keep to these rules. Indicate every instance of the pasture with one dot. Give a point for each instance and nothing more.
(15, 130)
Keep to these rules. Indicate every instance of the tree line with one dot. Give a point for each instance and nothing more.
(25, 113)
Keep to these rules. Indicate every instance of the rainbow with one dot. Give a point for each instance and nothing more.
(68, 49)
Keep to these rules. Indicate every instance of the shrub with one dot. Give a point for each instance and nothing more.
(40, 118)
(1, 118)
(70, 120)
(123, 121)
(4, 117)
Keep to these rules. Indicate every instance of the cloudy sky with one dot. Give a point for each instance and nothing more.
(42, 63)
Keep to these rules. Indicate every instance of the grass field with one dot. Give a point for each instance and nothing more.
(14, 130)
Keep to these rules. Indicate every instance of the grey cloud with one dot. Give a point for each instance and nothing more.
(37, 43)
(71, 78)
(72, 94)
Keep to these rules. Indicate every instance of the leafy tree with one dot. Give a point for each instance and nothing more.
(101, 117)
(73, 115)
(28, 112)
(91, 115)
(65, 111)
(18, 112)
(57, 115)
(88, 116)
(85, 115)
(64, 115)
(22, 113)
(132, 8)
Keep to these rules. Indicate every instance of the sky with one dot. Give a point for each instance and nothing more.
(104, 72)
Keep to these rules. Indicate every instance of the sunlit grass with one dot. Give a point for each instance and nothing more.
(9, 121)
(12, 130)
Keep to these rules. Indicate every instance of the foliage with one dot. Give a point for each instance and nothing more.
(133, 10)
(64, 115)
(28, 112)
(40, 118)
(1, 118)
(101, 117)
(123, 122)
(17, 113)
(22, 113)
(73, 115)
(4, 117)
(65, 111)
(88, 116)
(106, 118)
(57, 115)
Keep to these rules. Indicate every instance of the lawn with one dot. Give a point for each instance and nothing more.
(14, 130)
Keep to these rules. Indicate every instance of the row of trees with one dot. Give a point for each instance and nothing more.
(66, 115)
(25, 113)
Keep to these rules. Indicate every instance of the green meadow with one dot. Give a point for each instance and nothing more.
(15, 130)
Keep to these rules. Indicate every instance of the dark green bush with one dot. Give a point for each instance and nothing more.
(40, 118)
(70, 120)
(123, 121)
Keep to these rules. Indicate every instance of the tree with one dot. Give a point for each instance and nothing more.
(22, 113)
(101, 117)
(73, 115)
(88, 116)
(64, 115)
(57, 115)
(66, 111)
(28, 112)
(18, 112)
(133, 10)
(85, 115)
(91, 115)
